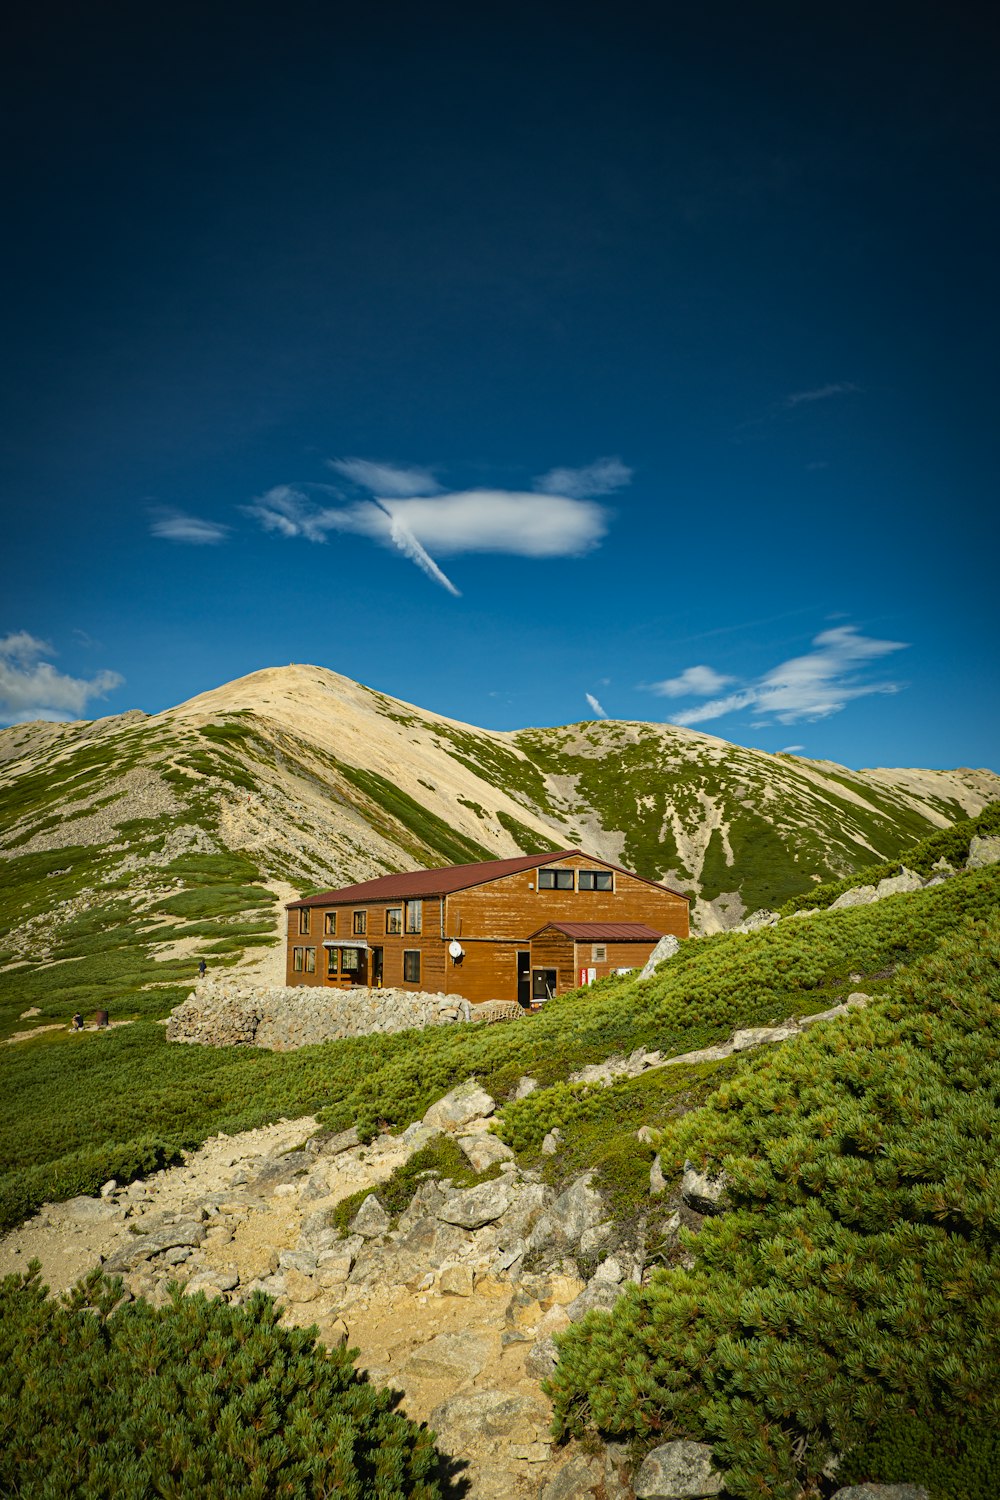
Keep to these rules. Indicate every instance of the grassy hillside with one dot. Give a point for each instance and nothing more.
(842, 1305)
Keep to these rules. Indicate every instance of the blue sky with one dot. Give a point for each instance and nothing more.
(530, 367)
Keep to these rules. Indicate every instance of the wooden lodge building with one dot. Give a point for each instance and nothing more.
(507, 929)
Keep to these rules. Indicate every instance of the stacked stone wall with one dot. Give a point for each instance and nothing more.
(228, 1013)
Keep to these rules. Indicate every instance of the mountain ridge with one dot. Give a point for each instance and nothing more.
(322, 781)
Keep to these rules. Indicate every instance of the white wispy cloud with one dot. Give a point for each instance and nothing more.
(791, 749)
(31, 688)
(178, 526)
(409, 512)
(805, 688)
(595, 707)
(386, 480)
(823, 393)
(698, 682)
(602, 477)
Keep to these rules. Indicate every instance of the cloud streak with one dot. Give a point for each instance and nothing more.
(602, 477)
(822, 393)
(595, 707)
(804, 688)
(177, 526)
(386, 480)
(407, 510)
(31, 688)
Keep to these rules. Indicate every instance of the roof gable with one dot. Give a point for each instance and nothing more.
(603, 932)
(413, 884)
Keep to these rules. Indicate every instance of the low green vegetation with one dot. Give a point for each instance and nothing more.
(194, 1398)
(66, 1111)
(433, 832)
(847, 1302)
(527, 840)
(950, 844)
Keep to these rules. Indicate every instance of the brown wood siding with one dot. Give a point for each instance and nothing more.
(301, 940)
(513, 907)
(492, 922)
(620, 956)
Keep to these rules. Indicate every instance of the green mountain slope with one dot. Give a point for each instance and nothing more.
(133, 846)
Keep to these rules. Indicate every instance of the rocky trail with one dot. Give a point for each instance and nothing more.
(438, 1306)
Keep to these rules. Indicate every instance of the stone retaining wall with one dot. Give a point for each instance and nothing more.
(221, 1013)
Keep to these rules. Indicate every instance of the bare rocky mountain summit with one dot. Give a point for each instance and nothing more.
(321, 781)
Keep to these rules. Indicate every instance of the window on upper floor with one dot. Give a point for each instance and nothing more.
(304, 915)
(595, 880)
(393, 921)
(330, 924)
(555, 880)
(360, 923)
(414, 916)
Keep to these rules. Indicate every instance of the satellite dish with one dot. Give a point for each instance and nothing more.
(455, 948)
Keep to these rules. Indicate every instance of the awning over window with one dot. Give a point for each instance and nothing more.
(346, 943)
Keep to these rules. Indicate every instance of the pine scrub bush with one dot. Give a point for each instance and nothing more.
(849, 1303)
(189, 1400)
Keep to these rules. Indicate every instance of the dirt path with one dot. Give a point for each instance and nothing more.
(237, 1214)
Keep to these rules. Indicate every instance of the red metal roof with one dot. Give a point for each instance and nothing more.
(451, 878)
(604, 932)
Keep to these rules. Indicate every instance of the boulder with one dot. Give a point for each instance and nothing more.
(525, 1087)
(756, 921)
(761, 1036)
(678, 1471)
(552, 1141)
(575, 1480)
(333, 1270)
(455, 1280)
(465, 1103)
(883, 1492)
(473, 1207)
(597, 1293)
(344, 1140)
(703, 1193)
(488, 1414)
(186, 1232)
(578, 1209)
(657, 1181)
(858, 895)
(484, 1151)
(984, 850)
(371, 1219)
(541, 1359)
(833, 1014)
(898, 885)
(665, 948)
(299, 1287)
(450, 1356)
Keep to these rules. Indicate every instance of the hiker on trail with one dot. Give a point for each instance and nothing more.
(77, 1022)
(202, 969)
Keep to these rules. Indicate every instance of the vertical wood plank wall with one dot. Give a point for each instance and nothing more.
(493, 922)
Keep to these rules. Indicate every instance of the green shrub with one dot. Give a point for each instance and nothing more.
(194, 1398)
(951, 844)
(854, 1280)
